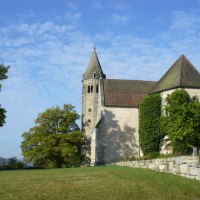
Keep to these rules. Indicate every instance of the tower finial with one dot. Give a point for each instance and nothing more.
(94, 47)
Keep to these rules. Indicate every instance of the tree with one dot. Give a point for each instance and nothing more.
(149, 126)
(13, 163)
(55, 141)
(3, 76)
(182, 121)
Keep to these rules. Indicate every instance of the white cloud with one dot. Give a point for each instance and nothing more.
(73, 17)
(120, 6)
(71, 6)
(183, 34)
(119, 18)
(45, 71)
(185, 21)
(98, 5)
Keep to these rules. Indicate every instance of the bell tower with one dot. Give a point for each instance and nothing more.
(90, 90)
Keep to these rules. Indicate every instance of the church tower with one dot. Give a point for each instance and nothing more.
(90, 90)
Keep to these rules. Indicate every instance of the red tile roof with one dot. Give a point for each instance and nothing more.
(125, 93)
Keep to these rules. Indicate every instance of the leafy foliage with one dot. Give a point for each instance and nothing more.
(55, 141)
(182, 121)
(3, 75)
(151, 155)
(13, 163)
(149, 129)
(2, 116)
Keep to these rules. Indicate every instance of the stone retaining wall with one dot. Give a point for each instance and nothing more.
(187, 166)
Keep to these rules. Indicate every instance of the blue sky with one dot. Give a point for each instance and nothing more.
(49, 43)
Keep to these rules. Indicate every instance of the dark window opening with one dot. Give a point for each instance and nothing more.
(97, 88)
(89, 120)
(95, 75)
(89, 110)
(90, 88)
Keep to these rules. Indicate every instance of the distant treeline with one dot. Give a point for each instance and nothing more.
(12, 163)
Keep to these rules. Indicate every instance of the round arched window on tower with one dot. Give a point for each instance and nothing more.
(97, 88)
(90, 88)
(95, 75)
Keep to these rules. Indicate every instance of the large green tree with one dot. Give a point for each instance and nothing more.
(3, 76)
(55, 141)
(181, 121)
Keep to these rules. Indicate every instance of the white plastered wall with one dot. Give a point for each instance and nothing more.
(118, 134)
(191, 92)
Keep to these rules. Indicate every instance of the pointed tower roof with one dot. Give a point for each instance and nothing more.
(93, 66)
(181, 74)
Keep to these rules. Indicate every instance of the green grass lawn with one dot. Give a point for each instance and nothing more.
(95, 183)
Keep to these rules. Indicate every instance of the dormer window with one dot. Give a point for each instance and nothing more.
(90, 88)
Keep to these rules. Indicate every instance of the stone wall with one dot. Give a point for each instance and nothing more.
(89, 106)
(187, 166)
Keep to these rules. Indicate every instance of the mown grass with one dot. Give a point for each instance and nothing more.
(95, 183)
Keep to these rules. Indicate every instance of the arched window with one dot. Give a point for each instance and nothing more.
(90, 88)
(97, 88)
(95, 75)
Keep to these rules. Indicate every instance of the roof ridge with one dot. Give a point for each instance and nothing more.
(180, 78)
(181, 74)
(130, 80)
(130, 92)
(164, 76)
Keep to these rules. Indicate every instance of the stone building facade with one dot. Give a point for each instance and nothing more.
(110, 108)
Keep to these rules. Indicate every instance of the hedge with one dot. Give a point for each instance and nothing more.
(149, 124)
